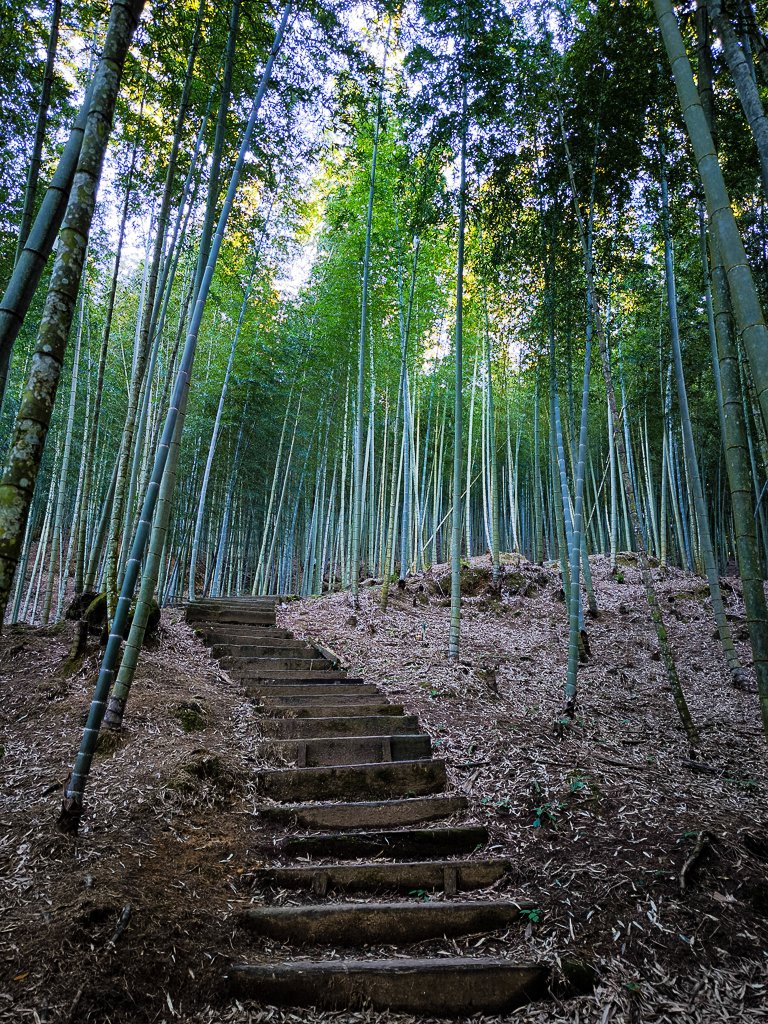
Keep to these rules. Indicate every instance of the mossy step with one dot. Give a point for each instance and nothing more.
(328, 750)
(445, 987)
(368, 813)
(448, 876)
(349, 782)
(297, 711)
(395, 843)
(355, 924)
(368, 725)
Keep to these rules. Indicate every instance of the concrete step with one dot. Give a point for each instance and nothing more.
(349, 688)
(294, 710)
(445, 987)
(348, 782)
(369, 725)
(396, 844)
(448, 876)
(345, 750)
(365, 814)
(355, 924)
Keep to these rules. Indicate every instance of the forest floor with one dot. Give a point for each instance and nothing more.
(652, 868)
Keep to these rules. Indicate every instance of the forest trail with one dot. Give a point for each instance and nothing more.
(358, 786)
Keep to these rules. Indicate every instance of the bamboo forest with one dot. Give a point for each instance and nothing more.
(384, 511)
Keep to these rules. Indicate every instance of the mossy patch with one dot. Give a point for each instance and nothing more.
(474, 581)
(206, 776)
(80, 604)
(96, 612)
(70, 665)
(191, 716)
(493, 605)
(95, 615)
(521, 584)
(55, 629)
(109, 740)
(205, 766)
(630, 558)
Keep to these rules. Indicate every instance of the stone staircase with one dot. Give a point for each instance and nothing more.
(363, 805)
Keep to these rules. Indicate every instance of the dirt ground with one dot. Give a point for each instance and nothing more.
(652, 868)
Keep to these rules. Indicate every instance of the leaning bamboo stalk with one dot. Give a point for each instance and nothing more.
(31, 261)
(694, 477)
(745, 300)
(33, 419)
(72, 808)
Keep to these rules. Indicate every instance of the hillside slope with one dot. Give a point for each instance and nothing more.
(651, 868)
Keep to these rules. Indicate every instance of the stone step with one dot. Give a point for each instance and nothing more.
(365, 814)
(348, 782)
(344, 750)
(356, 924)
(348, 688)
(448, 876)
(395, 844)
(369, 725)
(444, 987)
(297, 711)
